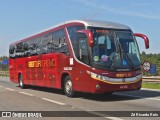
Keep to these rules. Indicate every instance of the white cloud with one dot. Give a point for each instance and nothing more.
(120, 11)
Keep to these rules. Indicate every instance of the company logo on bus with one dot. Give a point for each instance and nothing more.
(123, 80)
(124, 75)
(42, 63)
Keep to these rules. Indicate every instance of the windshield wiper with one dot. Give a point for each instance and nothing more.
(114, 61)
(126, 55)
(119, 50)
(116, 53)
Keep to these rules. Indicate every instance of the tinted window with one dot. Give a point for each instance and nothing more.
(72, 31)
(59, 43)
(52, 42)
(83, 49)
(19, 51)
(32, 48)
(11, 51)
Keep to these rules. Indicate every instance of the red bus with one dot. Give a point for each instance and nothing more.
(80, 55)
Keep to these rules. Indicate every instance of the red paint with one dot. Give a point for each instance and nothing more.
(47, 76)
(146, 40)
(89, 36)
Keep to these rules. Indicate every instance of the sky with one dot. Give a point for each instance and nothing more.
(21, 18)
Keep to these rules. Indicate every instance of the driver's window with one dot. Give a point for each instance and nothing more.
(83, 48)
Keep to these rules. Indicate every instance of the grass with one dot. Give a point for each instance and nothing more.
(4, 75)
(151, 85)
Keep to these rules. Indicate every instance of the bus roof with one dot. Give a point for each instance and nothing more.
(97, 23)
(91, 23)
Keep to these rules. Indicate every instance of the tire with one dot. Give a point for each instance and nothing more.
(68, 87)
(21, 83)
(109, 93)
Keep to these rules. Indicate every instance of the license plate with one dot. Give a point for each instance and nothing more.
(123, 86)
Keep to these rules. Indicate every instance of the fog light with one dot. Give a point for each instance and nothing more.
(98, 87)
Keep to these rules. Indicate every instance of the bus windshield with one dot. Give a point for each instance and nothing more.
(115, 50)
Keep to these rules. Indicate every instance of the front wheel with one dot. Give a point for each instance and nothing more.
(109, 93)
(68, 87)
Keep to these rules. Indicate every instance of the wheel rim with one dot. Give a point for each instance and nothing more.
(68, 87)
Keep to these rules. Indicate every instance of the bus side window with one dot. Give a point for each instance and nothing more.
(49, 43)
(11, 51)
(59, 42)
(83, 48)
(19, 52)
(25, 48)
(32, 48)
(72, 31)
(63, 48)
(55, 41)
(45, 43)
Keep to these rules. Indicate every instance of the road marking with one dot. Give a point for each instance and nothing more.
(26, 93)
(113, 118)
(53, 101)
(153, 98)
(137, 96)
(10, 89)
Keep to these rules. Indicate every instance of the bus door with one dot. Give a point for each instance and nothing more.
(84, 82)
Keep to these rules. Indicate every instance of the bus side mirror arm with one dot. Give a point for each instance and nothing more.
(146, 40)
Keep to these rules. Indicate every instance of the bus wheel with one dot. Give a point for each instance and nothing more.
(21, 84)
(68, 87)
(109, 93)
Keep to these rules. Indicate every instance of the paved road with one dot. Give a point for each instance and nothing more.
(12, 98)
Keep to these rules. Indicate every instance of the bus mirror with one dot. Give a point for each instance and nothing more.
(146, 40)
(89, 35)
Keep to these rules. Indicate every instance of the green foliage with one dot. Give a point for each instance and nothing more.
(3, 67)
(151, 85)
(154, 59)
(3, 58)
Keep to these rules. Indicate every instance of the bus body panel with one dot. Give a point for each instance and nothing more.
(46, 70)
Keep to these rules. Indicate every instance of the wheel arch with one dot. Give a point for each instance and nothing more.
(63, 76)
(19, 73)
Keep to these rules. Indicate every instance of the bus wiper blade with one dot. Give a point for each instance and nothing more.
(114, 61)
(116, 53)
(129, 61)
(126, 55)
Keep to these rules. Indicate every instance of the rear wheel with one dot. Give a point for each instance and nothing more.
(21, 83)
(68, 87)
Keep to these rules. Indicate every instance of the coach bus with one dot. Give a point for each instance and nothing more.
(80, 55)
